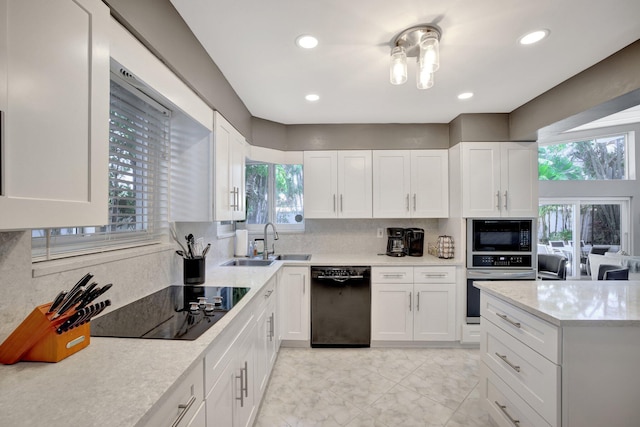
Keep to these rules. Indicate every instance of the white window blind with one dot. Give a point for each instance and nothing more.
(139, 160)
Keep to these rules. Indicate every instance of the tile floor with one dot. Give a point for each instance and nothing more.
(374, 387)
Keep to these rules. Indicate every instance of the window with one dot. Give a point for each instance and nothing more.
(572, 227)
(274, 194)
(602, 158)
(139, 130)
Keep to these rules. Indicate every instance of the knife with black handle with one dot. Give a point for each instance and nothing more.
(86, 295)
(82, 282)
(57, 301)
(72, 298)
(94, 294)
(64, 327)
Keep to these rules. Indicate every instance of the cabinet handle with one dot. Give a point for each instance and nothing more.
(341, 204)
(498, 200)
(334, 202)
(506, 318)
(414, 202)
(435, 275)
(241, 378)
(272, 331)
(505, 200)
(246, 379)
(268, 294)
(304, 284)
(184, 408)
(393, 275)
(407, 202)
(418, 301)
(409, 301)
(505, 360)
(503, 408)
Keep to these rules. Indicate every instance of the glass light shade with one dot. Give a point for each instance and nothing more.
(398, 69)
(430, 54)
(424, 79)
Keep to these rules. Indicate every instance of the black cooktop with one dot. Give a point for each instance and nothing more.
(173, 313)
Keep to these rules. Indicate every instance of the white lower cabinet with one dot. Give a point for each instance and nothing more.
(520, 369)
(294, 302)
(413, 304)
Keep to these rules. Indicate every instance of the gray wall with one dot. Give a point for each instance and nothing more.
(609, 86)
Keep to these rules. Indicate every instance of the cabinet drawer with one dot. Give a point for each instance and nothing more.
(182, 403)
(434, 274)
(504, 406)
(541, 336)
(534, 378)
(392, 275)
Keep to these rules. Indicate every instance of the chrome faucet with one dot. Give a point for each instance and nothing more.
(265, 253)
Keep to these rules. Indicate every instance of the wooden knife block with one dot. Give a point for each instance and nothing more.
(36, 340)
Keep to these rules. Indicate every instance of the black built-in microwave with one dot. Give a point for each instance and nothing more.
(500, 242)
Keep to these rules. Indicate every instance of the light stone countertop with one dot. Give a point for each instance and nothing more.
(573, 302)
(117, 381)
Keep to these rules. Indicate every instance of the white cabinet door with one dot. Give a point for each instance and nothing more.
(519, 179)
(229, 174)
(265, 337)
(434, 314)
(391, 311)
(354, 184)
(499, 179)
(54, 98)
(237, 161)
(320, 184)
(391, 183)
(245, 381)
(481, 179)
(429, 183)
(294, 303)
(221, 399)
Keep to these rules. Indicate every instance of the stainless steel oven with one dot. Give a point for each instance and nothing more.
(483, 275)
(498, 249)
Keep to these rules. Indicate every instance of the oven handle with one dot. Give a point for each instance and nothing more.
(527, 275)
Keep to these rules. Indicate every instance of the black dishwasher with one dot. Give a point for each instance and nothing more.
(340, 306)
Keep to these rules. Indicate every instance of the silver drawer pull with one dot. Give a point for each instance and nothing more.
(504, 317)
(393, 275)
(505, 360)
(503, 408)
(435, 275)
(268, 294)
(184, 409)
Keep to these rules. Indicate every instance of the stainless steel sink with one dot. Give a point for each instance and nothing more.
(248, 263)
(293, 257)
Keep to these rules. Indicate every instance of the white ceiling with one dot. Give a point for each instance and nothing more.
(252, 42)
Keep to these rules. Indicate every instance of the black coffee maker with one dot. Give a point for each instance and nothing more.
(414, 241)
(396, 242)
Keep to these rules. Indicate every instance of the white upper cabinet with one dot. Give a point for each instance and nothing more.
(499, 179)
(410, 184)
(337, 184)
(54, 98)
(229, 187)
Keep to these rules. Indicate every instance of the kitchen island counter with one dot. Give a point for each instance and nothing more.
(560, 353)
(573, 302)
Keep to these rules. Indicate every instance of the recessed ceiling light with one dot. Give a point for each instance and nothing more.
(533, 37)
(307, 42)
(465, 95)
(312, 97)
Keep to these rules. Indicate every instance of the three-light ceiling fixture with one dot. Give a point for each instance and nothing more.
(421, 42)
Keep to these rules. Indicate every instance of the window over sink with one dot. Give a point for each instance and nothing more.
(274, 193)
